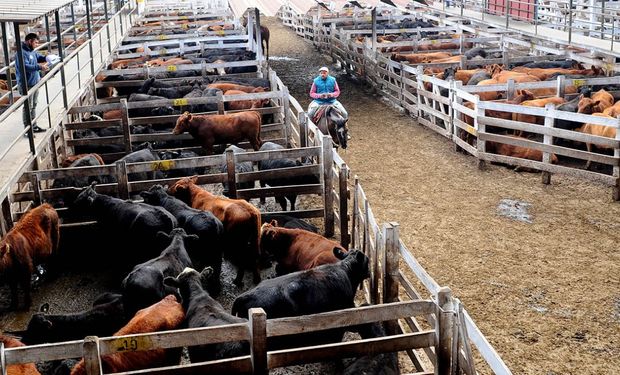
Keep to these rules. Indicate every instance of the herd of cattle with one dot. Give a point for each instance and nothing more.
(170, 235)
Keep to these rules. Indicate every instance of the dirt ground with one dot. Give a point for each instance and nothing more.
(546, 294)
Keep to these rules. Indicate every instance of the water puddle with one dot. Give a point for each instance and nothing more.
(514, 209)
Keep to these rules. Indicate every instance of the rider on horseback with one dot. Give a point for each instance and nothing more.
(324, 91)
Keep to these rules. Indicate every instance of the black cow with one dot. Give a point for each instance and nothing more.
(203, 311)
(106, 317)
(564, 64)
(171, 93)
(379, 364)
(242, 167)
(181, 172)
(207, 251)
(144, 153)
(324, 288)
(136, 224)
(283, 181)
(144, 286)
(476, 51)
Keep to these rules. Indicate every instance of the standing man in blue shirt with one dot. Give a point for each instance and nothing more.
(33, 63)
(324, 91)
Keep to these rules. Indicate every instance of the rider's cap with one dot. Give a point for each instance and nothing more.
(324, 68)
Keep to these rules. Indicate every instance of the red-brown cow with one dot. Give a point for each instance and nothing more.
(22, 369)
(224, 86)
(518, 152)
(165, 315)
(241, 221)
(32, 241)
(246, 104)
(230, 128)
(296, 249)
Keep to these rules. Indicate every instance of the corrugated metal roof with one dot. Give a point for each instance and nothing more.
(28, 10)
(271, 7)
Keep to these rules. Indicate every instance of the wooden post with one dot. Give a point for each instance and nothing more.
(328, 178)
(480, 128)
(344, 205)
(220, 103)
(232, 173)
(443, 350)
(6, 214)
(250, 28)
(54, 150)
(374, 29)
(36, 188)
(303, 129)
(125, 125)
(561, 86)
(355, 218)
(259, 49)
(510, 89)
(548, 140)
(286, 118)
(92, 361)
(258, 341)
(455, 129)
(391, 252)
(616, 169)
(121, 177)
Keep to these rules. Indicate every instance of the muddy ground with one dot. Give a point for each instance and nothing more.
(545, 293)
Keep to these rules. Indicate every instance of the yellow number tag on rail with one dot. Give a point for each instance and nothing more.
(579, 82)
(132, 344)
(162, 37)
(185, 26)
(434, 41)
(220, 33)
(179, 102)
(184, 17)
(171, 68)
(163, 51)
(369, 19)
(471, 130)
(162, 165)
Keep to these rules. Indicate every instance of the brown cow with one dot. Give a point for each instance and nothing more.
(589, 106)
(21, 369)
(605, 99)
(229, 128)
(241, 224)
(296, 249)
(246, 104)
(600, 130)
(518, 152)
(32, 241)
(165, 315)
(71, 158)
(231, 86)
(417, 58)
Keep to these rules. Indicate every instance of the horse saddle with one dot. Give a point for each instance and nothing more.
(321, 112)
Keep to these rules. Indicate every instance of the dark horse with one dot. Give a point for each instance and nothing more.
(332, 122)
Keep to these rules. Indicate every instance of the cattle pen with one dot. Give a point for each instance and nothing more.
(436, 333)
(355, 41)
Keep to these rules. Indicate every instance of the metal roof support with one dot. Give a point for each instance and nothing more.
(61, 53)
(73, 22)
(7, 61)
(49, 49)
(23, 86)
(107, 24)
(89, 26)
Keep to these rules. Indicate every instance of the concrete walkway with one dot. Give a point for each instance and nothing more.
(540, 31)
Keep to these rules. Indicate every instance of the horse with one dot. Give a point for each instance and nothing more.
(331, 122)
